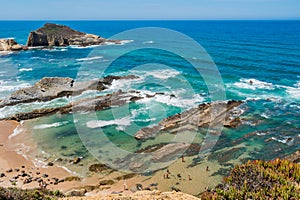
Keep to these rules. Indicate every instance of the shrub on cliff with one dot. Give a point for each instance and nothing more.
(277, 179)
(34, 194)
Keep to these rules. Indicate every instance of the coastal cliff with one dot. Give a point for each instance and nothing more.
(60, 35)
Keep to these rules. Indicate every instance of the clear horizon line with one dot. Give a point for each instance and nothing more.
(275, 19)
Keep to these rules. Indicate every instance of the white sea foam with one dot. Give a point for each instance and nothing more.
(122, 42)
(25, 69)
(253, 84)
(286, 140)
(39, 163)
(264, 115)
(166, 98)
(163, 74)
(260, 133)
(45, 126)
(90, 58)
(5, 87)
(121, 123)
(294, 92)
(5, 52)
(124, 84)
(148, 42)
(18, 130)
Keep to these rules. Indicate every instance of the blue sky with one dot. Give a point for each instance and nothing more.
(148, 9)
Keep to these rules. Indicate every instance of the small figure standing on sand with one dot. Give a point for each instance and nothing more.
(207, 169)
(182, 158)
(125, 185)
(43, 185)
(168, 171)
(190, 178)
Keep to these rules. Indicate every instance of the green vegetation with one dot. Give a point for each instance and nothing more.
(34, 194)
(277, 179)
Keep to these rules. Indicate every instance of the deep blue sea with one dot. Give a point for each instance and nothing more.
(265, 53)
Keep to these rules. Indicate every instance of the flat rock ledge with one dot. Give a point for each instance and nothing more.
(49, 88)
(205, 115)
(84, 105)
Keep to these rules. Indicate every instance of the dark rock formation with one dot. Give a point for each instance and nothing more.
(84, 105)
(50, 88)
(10, 45)
(205, 115)
(59, 35)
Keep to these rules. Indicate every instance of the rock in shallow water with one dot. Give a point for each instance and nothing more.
(205, 115)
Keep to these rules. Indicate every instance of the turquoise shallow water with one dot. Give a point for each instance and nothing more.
(265, 52)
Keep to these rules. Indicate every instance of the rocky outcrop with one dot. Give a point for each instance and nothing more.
(50, 88)
(84, 105)
(59, 35)
(10, 45)
(205, 115)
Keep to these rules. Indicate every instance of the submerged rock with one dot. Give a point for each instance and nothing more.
(60, 35)
(205, 115)
(169, 151)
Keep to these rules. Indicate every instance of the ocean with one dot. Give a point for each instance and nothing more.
(259, 63)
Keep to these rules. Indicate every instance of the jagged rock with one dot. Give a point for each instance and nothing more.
(59, 35)
(9, 45)
(205, 115)
(49, 88)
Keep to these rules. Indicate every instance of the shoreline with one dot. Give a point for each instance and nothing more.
(10, 159)
(192, 181)
(16, 168)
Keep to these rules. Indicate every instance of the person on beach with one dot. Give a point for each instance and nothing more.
(182, 158)
(189, 177)
(125, 185)
(207, 169)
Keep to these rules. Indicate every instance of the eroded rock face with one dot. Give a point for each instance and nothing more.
(59, 35)
(9, 45)
(50, 88)
(206, 115)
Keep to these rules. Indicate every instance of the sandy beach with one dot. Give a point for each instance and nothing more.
(17, 169)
